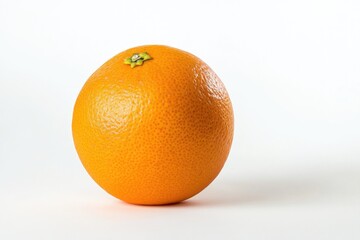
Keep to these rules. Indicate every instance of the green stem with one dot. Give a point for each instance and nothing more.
(137, 59)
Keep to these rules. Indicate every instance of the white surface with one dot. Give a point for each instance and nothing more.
(291, 68)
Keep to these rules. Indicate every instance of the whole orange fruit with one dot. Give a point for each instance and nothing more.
(153, 125)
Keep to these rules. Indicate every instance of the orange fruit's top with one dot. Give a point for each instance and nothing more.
(157, 133)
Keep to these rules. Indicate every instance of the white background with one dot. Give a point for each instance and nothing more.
(292, 69)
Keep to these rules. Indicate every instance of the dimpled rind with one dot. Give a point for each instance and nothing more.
(155, 134)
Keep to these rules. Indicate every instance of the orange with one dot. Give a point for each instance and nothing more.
(154, 127)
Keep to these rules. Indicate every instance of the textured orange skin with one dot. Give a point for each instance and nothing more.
(155, 134)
